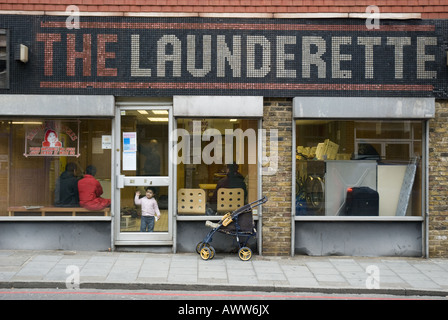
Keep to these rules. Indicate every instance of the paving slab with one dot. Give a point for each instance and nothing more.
(187, 271)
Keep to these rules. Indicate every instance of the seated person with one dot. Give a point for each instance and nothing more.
(90, 191)
(66, 190)
(233, 179)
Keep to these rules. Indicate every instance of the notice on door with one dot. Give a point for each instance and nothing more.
(130, 151)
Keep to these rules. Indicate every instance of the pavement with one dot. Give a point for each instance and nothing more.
(187, 271)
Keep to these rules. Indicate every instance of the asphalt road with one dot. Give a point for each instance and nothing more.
(93, 294)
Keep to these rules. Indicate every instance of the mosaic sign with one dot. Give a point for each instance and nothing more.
(275, 57)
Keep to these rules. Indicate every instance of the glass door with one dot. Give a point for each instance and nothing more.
(144, 176)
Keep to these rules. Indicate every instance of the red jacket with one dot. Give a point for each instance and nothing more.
(90, 192)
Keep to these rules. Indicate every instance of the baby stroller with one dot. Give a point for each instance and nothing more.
(239, 223)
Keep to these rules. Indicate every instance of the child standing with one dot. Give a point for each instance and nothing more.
(150, 209)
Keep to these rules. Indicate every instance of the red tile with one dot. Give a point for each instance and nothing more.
(433, 8)
(426, 9)
(185, 2)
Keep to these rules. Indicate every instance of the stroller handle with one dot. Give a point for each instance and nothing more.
(254, 204)
(258, 202)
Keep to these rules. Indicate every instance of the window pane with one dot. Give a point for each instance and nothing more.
(371, 161)
(151, 130)
(131, 218)
(3, 59)
(216, 155)
(42, 160)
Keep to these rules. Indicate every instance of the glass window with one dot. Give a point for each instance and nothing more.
(359, 168)
(3, 59)
(150, 129)
(217, 165)
(131, 213)
(42, 161)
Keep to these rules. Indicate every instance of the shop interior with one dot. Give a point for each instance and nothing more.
(3, 59)
(28, 180)
(198, 178)
(380, 161)
(151, 129)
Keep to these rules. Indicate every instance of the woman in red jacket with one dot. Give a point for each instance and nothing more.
(90, 191)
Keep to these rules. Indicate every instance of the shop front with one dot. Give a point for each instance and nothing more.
(361, 168)
(182, 150)
(218, 154)
(327, 119)
(45, 142)
(134, 144)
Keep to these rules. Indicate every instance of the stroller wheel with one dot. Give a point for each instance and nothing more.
(245, 253)
(206, 253)
(199, 247)
(212, 252)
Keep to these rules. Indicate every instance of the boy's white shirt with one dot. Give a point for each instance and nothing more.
(149, 206)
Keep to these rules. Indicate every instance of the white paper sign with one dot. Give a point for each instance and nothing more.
(130, 151)
(129, 141)
(129, 161)
(106, 141)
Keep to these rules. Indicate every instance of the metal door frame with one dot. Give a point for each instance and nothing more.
(138, 238)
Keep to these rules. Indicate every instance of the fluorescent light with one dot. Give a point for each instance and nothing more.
(142, 111)
(159, 111)
(158, 119)
(233, 120)
(26, 122)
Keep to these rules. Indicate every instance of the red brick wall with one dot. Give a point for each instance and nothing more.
(429, 9)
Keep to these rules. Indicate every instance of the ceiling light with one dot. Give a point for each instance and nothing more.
(158, 119)
(159, 111)
(26, 122)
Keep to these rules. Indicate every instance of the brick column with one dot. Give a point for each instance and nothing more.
(438, 182)
(276, 226)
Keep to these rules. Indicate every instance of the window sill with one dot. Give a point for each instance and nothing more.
(56, 218)
(356, 218)
(202, 218)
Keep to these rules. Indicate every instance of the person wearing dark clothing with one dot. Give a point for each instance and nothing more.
(233, 179)
(152, 161)
(66, 191)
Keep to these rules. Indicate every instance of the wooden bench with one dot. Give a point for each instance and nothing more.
(43, 210)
